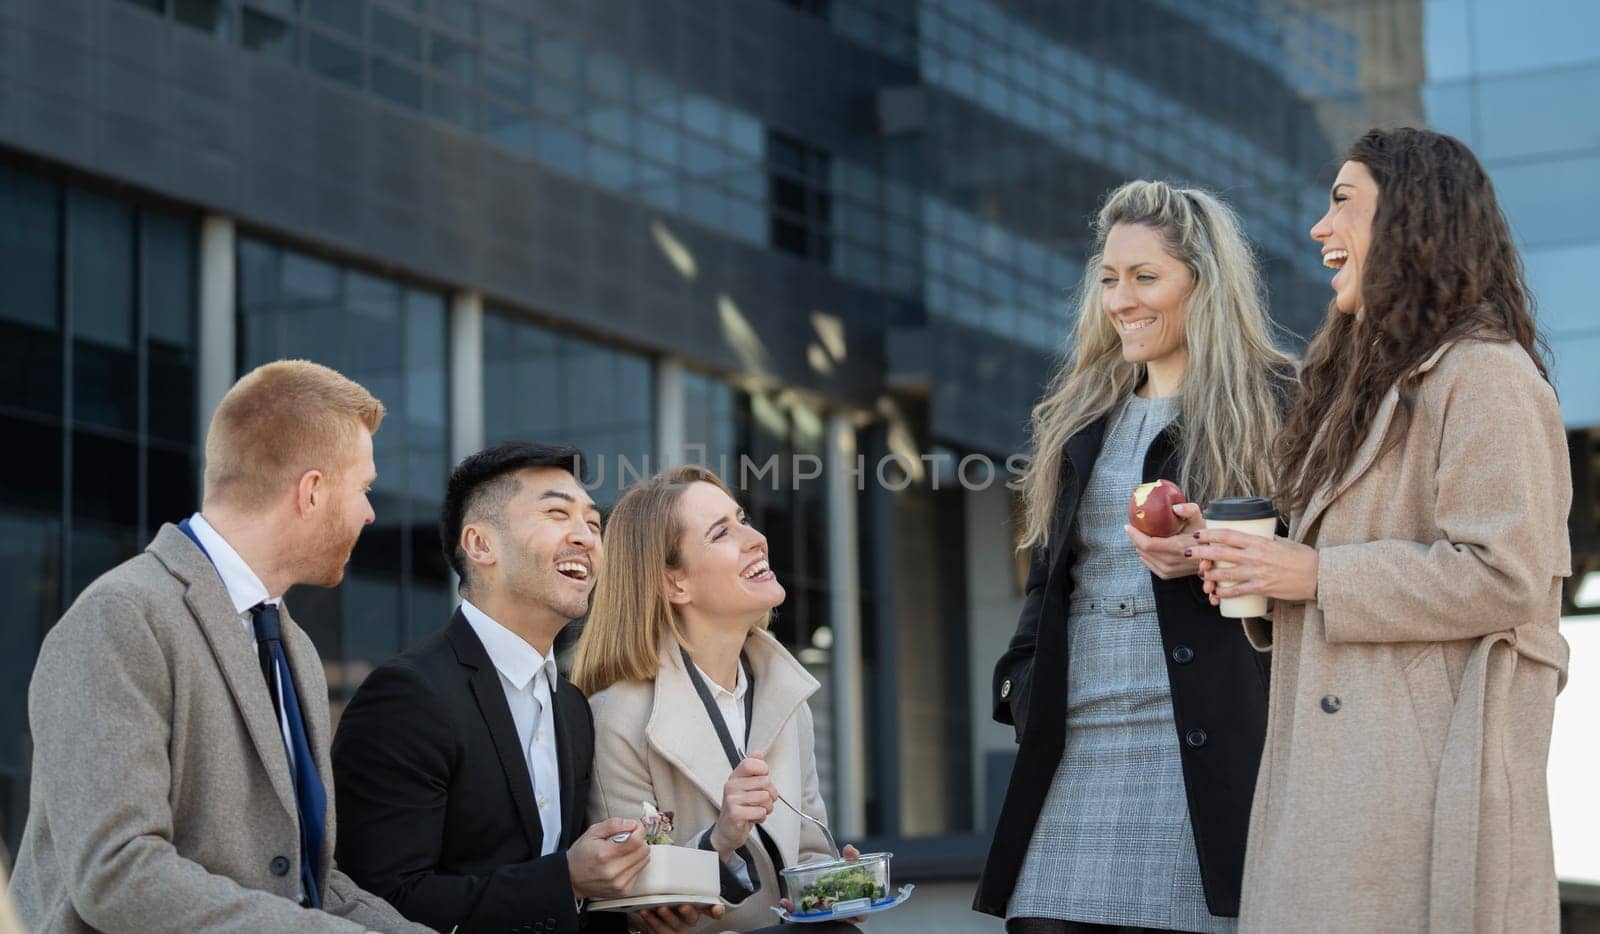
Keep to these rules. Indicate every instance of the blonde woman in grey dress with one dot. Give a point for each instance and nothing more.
(1139, 712)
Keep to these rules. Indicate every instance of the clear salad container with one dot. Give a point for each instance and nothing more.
(838, 886)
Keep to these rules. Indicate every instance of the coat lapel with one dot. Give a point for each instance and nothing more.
(679, 731)
(782, 685)
(1078, 457)
(566, 773)
(690, 742)
(491, 700)
(209, 604)
(1366, 454)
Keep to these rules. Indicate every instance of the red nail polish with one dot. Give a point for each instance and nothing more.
(1188, 552)
(1197, 535)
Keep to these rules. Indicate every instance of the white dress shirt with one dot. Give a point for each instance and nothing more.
(731, 705)
(529, 680)
(245, 590)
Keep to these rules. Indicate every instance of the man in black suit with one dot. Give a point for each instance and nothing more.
(462, 766)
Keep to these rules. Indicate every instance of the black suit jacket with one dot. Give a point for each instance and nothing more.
(1219, 698)
(436, 807)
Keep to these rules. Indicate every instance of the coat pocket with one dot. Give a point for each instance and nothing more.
(1432, 700)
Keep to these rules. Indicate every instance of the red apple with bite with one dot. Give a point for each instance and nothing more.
(1150, 509)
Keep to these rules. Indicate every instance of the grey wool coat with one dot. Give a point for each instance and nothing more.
(1402, 787)
(161, 794)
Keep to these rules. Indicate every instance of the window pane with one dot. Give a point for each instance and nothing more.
(460, 15)
(396, 36)
(608, 75)
(105, 506)
(395, 83)
(557, 99)
(614, 429)
(507, 33)
(1538, 199)
(333, 59)
(268, 35)
(343, 15)
(30, 578)
(1549, 112)
(560, 56)
(168, 274)
(1510, 39)
(453, 58)
(100, 263)
(30, 264)
(208, 15)
(509, 79)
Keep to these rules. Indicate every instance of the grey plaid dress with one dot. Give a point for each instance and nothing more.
(1113, 843)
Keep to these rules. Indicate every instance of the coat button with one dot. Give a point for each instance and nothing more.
(279, 865)
(1005, 689)
(1182, 654)
(1195, 738)
(1331, 704)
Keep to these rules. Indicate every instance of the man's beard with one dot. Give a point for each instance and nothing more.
(326, 563)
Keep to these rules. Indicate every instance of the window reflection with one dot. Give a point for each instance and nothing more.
(393, 339)
(97, 479)
(1547, 113)
(540, 385)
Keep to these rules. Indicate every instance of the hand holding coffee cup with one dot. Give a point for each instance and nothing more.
(1251, 515)
(1244, 565)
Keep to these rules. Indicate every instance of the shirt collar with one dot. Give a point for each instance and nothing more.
(513, 657)
(244, 587)
(717, 690)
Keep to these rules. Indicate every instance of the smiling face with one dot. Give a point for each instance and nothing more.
(546, 544)
(1144, 290)
(1345, 233)
(723, 572)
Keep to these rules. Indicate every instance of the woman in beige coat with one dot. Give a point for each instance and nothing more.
(1416, 658)
(679, 627)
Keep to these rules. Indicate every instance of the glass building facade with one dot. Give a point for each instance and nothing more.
(778, 232)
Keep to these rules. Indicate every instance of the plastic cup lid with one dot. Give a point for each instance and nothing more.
(1234, 508)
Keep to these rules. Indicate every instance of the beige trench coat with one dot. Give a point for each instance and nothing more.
(654, 742)
(1402, 787)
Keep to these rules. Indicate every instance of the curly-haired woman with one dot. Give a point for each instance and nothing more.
(1415, 653)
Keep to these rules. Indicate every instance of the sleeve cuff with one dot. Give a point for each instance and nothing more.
(734, 867)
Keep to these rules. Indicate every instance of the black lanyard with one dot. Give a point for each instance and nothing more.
(735, 756)
(728, 747)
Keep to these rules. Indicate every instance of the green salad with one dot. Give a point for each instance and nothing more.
(840, 885)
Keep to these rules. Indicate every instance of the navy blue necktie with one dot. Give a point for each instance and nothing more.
(309, 796)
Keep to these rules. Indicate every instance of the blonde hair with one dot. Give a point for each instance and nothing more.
(279, 421)
(1236, 384)
(632, 615)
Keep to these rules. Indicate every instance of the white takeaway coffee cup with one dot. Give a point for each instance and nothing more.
(1253, 516)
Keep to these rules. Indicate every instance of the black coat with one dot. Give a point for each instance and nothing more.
(435, 805)
(1219, 699)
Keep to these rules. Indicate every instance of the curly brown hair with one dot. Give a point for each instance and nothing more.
(1442, 265)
